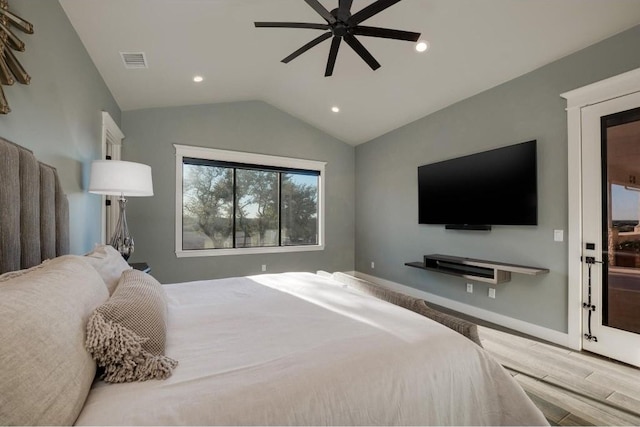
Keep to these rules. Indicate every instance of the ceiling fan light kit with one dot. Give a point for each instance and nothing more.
(341, 24)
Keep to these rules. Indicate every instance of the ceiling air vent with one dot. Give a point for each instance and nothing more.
(134, 59)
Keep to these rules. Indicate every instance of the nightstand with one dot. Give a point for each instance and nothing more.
(142, 266)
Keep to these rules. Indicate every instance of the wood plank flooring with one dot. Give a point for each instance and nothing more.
(570, 388)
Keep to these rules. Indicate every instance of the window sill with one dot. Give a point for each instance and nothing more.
(247, 251)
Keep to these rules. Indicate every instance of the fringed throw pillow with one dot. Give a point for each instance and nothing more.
(126, 335)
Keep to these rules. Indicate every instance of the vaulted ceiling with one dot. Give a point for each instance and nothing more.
(473, 45)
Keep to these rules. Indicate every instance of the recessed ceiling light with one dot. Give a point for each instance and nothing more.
(422, 46)
(198, 79)
(335, 109)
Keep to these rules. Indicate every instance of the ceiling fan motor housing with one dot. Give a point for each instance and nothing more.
(343, 25)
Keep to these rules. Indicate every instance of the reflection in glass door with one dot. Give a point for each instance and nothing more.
(620, 136)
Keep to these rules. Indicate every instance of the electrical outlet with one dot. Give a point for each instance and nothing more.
(470, 288)
(492, 292)
(264, 267)
(373, 264)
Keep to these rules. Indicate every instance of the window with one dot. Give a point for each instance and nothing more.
(230, 202)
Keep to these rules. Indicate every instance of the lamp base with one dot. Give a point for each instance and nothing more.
(122, 240)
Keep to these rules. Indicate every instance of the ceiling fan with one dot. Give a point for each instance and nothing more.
(343, 25)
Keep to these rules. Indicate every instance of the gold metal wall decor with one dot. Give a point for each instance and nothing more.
(10, 69)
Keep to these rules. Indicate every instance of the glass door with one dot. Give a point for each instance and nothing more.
(611, 228)
(621, 282)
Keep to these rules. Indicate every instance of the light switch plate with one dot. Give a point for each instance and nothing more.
(558, 235)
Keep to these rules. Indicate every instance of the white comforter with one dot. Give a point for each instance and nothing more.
(300, 349)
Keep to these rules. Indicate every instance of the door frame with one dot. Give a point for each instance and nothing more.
(112, 138)
(577, 99)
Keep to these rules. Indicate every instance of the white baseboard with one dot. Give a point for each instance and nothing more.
(537, 331)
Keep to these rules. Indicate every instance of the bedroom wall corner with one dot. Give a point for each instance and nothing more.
(249, 126)
(525, 108)
(58, 115)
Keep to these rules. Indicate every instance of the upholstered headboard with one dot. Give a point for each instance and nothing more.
(34, 211)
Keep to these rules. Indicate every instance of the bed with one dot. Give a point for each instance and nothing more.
(274, 349)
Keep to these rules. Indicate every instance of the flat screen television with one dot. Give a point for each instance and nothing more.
(495, 187)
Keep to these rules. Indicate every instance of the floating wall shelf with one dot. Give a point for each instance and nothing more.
(474, 269)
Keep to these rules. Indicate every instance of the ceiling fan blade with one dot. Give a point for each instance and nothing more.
(333, 54)
(362, 51)
(315, 4)
(344, 9)
(291, 25)
(386, 33)
(307, 46)
(370, 10)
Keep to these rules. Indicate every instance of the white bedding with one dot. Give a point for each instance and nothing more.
(301, 349)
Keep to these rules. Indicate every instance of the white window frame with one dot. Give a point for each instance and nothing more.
(183, 151)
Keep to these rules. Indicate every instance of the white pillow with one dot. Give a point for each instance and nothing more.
(45, 370)
(13, 274)
(109, 263)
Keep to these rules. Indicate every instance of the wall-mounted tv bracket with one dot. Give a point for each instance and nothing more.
(589, 260)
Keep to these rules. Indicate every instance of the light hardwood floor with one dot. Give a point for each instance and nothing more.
(571, 388)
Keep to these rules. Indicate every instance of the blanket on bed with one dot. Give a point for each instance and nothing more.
(300, 349)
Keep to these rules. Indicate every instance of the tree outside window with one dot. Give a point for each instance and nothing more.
(229, 206)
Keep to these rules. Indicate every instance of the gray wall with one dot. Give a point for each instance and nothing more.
(242, 126)
(529, 107)
(58, 116)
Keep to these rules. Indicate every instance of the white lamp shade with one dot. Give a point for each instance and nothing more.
(117, 177)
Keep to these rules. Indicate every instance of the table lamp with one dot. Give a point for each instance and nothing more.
(121, 178)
